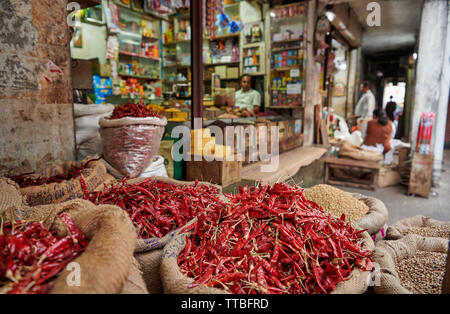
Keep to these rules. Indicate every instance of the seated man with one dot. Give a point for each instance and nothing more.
(246, 97)
(378, 132)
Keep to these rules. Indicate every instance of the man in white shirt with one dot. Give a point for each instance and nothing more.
(246, 97)
(365, 106)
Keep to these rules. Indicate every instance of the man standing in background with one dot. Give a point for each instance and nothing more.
(365, 106)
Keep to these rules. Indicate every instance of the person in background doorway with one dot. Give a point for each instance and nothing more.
(365, 106)
(246, 97)
(391, 107)
(378, 131)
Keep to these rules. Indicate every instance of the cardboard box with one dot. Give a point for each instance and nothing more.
(232, 72)
(221, 70)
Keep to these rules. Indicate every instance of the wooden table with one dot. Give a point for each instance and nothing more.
(355, 165)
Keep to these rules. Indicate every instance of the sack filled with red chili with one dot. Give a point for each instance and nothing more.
(268, 239)
(131, 137)
(160, 209)
(61, 181)
(158, 206)
(31, 256)
(132, 110)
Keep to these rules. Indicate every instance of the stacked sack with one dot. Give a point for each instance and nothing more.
(412, 258)
(105, 265)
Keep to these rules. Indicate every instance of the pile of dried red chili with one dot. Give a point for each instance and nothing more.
(155, 207)
(132, 110)
(271, 240)
(26, 180)
(31, 255)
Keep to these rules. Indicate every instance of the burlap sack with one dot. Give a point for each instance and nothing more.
(377, 216)
(134, 284)
(106, 263)
(10, 196)
(148, 252)
(388, 253)
(174, 282)
(93, 174)
(129, 144)
(349, 150)
(401, 228)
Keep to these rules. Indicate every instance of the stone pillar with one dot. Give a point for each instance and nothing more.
(312, 79)
(432, 84)
(35, 104)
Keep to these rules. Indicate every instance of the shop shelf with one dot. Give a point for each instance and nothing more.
(138, 55)
(294, 67)
(283, 49)
(287, 40)
(141, 77)
(221, 63)
(177, 42)
(224, 36)
(144, 38)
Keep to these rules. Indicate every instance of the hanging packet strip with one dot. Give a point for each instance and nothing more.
(223, 20)
(236, 27)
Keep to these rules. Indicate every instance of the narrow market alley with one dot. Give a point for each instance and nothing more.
(189, 150)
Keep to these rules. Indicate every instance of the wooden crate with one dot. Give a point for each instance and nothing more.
(218, 172)
(388, 176)
(350, 165)
(421, 174)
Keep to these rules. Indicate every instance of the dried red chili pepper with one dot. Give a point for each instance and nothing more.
(30, 256)
(291, 244)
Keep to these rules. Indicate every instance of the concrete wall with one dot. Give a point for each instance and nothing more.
(432, 80)
(94, 43)
(37, 115)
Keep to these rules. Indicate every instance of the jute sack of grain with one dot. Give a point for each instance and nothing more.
(377, 216)
(174, 282)
(93, 174)
(388, 253)
(364, 211)
(355, 152)
(420, 225)
(148, 252)
(106, 263)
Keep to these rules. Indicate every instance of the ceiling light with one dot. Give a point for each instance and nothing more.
(330, 16)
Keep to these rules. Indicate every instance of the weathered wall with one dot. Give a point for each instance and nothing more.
(36, 115)
(432, 80)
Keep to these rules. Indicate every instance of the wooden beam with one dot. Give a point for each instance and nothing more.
(197, 60)
(89, 3)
